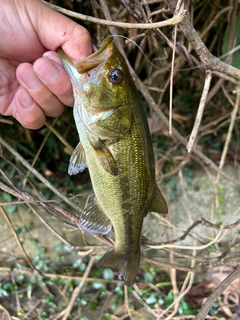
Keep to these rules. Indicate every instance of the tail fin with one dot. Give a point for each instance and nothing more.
(126, 264)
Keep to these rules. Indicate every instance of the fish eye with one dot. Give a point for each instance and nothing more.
(116, 76)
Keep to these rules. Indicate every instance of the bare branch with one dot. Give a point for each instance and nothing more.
(38, 175)
(209, 61)
(217, 293)
(170, 22)
(199, 112)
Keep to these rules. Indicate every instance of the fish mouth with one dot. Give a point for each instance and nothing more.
(97, 58)
(94, 60)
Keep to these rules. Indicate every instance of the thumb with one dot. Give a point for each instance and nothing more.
(55, 30)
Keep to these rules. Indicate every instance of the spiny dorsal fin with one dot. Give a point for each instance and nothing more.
(94, 220)
(77, 161)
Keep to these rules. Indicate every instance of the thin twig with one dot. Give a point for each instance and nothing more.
(4, 313)
(208, 60)
(37, 154)
(54, 275)
(217, 238)
(187, 285)
(217, 293)
(38, 175)
(65, 314)
(171, 81)
(226, 145)
(49, 207)
(17, 240)
(170, 22)
(168, 265)
(165, 120)
(126, 302)
(59, 136)
(2, 120)
(136, 293)
(230, 130)
(199, 112)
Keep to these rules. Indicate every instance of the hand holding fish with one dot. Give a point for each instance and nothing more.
(31, 91)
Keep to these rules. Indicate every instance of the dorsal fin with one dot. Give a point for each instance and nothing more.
(159, 204)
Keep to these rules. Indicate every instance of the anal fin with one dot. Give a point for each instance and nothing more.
(94, 220)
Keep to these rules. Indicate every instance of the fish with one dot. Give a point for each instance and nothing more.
(115, 145)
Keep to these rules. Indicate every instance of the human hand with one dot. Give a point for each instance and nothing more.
(33, 83)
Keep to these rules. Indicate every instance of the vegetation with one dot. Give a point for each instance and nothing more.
(48, 266)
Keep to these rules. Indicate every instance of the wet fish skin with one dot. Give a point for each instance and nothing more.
(115, 145)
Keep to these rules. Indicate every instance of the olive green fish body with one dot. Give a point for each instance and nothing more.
(115, 145)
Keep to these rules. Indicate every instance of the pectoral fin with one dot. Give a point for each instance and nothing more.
(78, 160)
(159, 203)
(94, 220)
(105, 157)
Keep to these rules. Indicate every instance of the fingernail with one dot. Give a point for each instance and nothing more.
(53, 56)
(47, 71)
(26, 100)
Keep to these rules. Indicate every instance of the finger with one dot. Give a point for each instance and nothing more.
(59, 31)
(52, 55)
(8, 85)
(48, 102)
(78, 45)
(26, 110)
(55, 78)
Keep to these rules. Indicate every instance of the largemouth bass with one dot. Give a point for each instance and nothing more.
(115, 145)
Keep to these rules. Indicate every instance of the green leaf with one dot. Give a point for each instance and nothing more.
(98, 285)
(11, 209)
(236, 54)
(6, 197)
(108, 274)
(152, 299)
(148, 277)
(222, 212)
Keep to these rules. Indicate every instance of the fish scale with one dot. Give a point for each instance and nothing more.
(116, 147)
